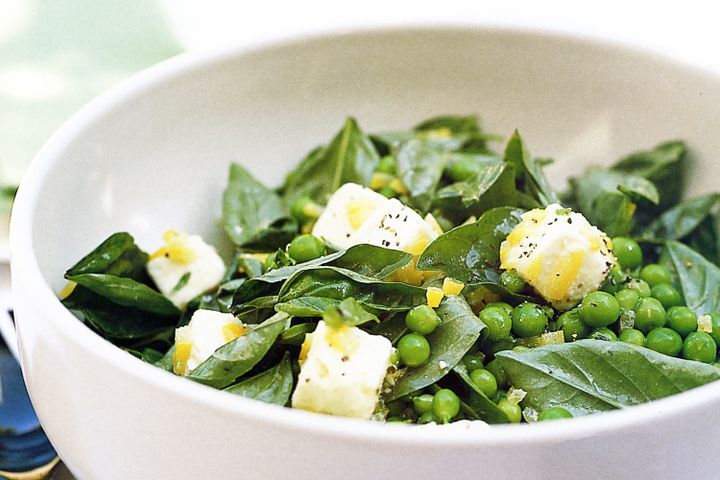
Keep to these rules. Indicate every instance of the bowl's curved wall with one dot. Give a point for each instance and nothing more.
(154, 154)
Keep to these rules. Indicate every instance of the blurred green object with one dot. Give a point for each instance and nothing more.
(55, 56)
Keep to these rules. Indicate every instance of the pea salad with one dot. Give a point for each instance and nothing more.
(426, 276)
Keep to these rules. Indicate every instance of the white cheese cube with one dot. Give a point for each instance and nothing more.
(187, 258)
(559, 254)
(398, 227)
(346, 211)
(207, 331)
(342, 371)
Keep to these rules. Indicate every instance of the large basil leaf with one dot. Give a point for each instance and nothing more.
(234, 359)
(471, 253)
(271, 386)
(529, 171)
(338, 283)
(350, 157)
(419, 166)
(680, 220)
(590, 376)
(698, 278)
(477, 400)
(303, 307)
(450, 341)
(249, 207)
(127, 292)
(117, 255)
(349, 313)
(664, 166)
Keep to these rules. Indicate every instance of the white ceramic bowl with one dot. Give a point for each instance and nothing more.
(153, 154)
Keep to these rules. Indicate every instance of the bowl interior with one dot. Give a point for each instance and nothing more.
(156, 156)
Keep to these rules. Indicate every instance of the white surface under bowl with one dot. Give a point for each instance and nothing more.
(153, 154)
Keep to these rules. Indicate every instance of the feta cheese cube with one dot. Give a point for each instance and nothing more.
(559, 254)
(346, 211)
(342, 371)
(185, 267)
(207, 331)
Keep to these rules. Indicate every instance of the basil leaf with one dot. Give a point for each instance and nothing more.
(590, 376)
(529, 171)
(420, 166)
(337, 283)
(471, 253)
(249, 207)
(698, 278)
(304, 307)
(348, 312)
(350, 157)
(276, 236)
(166, 362)
(238, 357)
(680, 220)
(450, 341)
(271, 386)
(117, 255)
(477, 400)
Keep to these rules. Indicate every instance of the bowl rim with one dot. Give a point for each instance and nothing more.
(25, 266)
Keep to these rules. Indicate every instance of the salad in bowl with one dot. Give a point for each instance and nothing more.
(426, 277)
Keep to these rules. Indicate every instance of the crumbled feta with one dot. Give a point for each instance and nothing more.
(185, 267)
(207, 331)
(355, 215)
(559, 254)
(342, 371)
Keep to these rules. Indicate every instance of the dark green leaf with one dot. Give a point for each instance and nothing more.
(699, 278)
(166, 362)
(271, 386)
(127, 292)
(590, 376)
(371, 261)
(420, 166)
(238, 357)
(337, 283)
(457, 333)
(478, 401)
(680, 220)
(249, 207)
(295, 335)
(276, 236)
(349, 313)
(117, 255)
(529, 171)
(350, 157)
(304, 307)
(182, 282)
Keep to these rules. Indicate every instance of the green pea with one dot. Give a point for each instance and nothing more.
(422, 319)
(463, 168)
(699, 346)
(422, 403)
(512, 281)
(413, 349)
(504, 305)
(498, 372)
(715, 319)
(682, 320)
(388, 164)
(604, 334)
(425, 418)
(599, 309)
(387, 192)
(511, 410)
(473, 361)
(615, 280)
(554, 413)
(528, 320)
(631, 335)
(627, 298)
(627, 251)
(664, 340)
(445, 405)
(491, 347)
(394, 357)
(305, 248)
(497, 321)
(655, 274)
(649, 314)
(640, 286)
(572, 326)
(667, 294)
(485, 381)
(305, 209)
